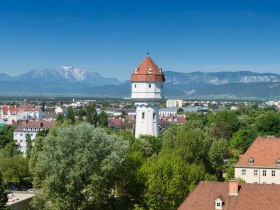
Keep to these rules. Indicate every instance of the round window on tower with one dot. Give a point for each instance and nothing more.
(150, 70)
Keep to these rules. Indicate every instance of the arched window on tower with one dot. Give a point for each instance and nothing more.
(150, 85)
(143, 115)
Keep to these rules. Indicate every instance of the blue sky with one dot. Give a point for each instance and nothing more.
(113, 36)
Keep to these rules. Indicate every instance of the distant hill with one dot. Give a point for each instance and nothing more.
(227, 85)
(4, 77)
(76, 81)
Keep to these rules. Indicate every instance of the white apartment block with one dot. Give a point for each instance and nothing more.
(29, 127)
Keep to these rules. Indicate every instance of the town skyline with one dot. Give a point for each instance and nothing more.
(112, 38)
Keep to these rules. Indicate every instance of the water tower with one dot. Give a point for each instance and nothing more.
(147, 91)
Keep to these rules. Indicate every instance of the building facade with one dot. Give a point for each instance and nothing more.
(147, 91)
(261, 162)
(31, 128)
(174, 103)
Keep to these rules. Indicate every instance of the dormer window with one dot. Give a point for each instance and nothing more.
(218, 203)
(150, 70)
(278, 161)
(251, 160)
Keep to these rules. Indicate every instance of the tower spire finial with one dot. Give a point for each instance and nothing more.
(148, 54)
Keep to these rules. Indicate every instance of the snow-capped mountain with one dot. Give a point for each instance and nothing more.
(219, 78)
(66, 74)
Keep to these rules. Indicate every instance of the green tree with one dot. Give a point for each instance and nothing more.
(123, 114)
(224, 124)
(79, 168)
(3, 194)
(229, 173)
(59, 118)
(169, 180)
(6, 135)
(14, 169)
(217, 154)
(242, 139)
(192, 145)
(180, 111)
(91, 114)
(80, 113)
(9, 150)
(28, 145)
(70, 115)
(150, 145)
(268, 123)
(103, 119)
(35, 168)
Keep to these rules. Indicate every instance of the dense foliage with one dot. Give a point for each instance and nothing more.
(3, 194)
(79, 168)
(87, 166)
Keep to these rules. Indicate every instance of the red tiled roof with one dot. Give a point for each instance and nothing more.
(46, 124)
(15, 109)
(115, 122)
(174, 119)
(12, 109)
(250, 197)
(141, 74)
(264, 151)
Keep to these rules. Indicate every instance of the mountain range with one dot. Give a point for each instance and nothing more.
(79, 82)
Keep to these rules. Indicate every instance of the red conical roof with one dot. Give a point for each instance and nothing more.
(147, 72)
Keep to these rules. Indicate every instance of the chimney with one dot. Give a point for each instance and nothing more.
(233, 187)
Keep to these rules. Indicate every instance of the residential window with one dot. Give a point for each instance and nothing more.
(264, 172)
(218, 203)
(255, 172)
(273, 173)
(243, 171)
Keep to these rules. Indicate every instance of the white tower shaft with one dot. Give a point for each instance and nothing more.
(146, 119)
